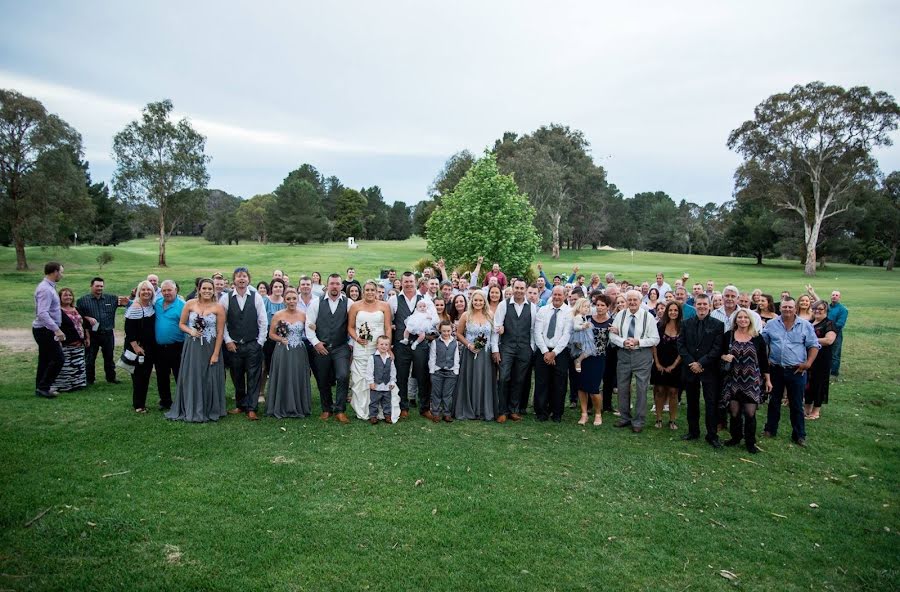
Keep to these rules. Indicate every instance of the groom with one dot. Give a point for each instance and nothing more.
(326, 329)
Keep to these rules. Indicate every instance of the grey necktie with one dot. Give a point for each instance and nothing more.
(631, 327)
(551, 328)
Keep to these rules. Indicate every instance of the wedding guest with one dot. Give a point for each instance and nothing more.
(494, 297)
(662, 287)
(351, 281)
(804, 307)
(200, 389)
(458, 306)
(552, 328)
(793, 347)
(273, 300)
(169, 341)
(476, 387)
(326, 328)
(838, 315)
(154, 281)
(354, 293)
(651, 299)
(666, 372)
(99, 310)
(635, 334)
(440, 309)
(513, 352)
(687, 311)
(388, 282)
(245, 333)
(72, 375)
(495, 273)
(263, 287)
(289, 394)
(819, 374)
(381, 376)
(402, 305)
(318, 290)
(219, 284)
(766, 308)
(46, 330)
(700, 346)
(443, 364)
(140, 339)
(594, 366)
(746, 378)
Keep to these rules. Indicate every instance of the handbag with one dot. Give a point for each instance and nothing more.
(725, 367)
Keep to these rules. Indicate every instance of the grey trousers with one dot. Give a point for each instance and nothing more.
(443, 383)
(634, 363)
(379, 400)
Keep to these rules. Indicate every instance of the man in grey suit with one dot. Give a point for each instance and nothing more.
(514, 322)
(634, 332)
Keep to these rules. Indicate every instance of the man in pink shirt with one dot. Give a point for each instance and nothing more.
(495, 273)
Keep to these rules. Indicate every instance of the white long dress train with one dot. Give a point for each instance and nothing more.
(359, 388)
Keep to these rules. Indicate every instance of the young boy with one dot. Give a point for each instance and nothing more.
(381, 374)
(443, 363)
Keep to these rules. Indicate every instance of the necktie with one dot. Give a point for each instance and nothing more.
(631, 327)
(551, 328)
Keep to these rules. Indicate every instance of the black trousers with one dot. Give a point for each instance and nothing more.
(515, 367)
(610, 377)
(417, 359)
(245, 365)
(710, 385)
(105, 341)
(50, 358)
(550, 386)
(140, 381)
(168, 362)
(333, 369)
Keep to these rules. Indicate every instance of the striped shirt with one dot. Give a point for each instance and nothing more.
(103, 309)
(47, 313)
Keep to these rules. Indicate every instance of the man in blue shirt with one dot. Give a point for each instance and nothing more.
(837, 314)
(793, 347)
(169, 340)
(687, 311)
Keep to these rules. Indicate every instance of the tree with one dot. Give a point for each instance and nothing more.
(420, 215)
(884, 212)
(485, 216)
(112, 219)
(816, 142)
(43, 196)
(298, 215)
(454, 170)
(751, 231)
(253, 217)
(349, 214)
(222, 222)
(375, 224)
(399, 222)
(159, 162)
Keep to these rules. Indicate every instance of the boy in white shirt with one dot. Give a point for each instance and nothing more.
(443, 363)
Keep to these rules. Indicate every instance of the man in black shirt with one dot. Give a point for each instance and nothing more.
(99, 310)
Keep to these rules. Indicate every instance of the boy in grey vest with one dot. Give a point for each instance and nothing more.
(443, 363)
(381, 374)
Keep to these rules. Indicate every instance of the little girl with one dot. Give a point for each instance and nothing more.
(419, 323)
(581, 345)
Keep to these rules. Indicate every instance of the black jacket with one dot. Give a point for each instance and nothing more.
(704, 346)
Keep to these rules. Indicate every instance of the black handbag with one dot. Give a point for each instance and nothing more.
(725, 367)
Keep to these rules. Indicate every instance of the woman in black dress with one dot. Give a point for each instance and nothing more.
(665, 375)
(594, 367)
(746, 379)
(140, 339)
(817, 385)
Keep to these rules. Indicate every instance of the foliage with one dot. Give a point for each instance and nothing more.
(254, 217)
(485, 215)
(43, 197)
(350, 208)
(161, 163)
(104, 258)
(399, 222)
(376, 221)
(815, 142)
(223, 224)
(298, 214)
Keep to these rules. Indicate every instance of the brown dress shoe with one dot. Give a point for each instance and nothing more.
(251, 415)
(404, 414)
(435, 418)
(342, 418)
(325, 415)
(426, 414)
(515, 417)
(448, 419)
(235, 411)
(501, 419)
(373, 420)
(637, 430)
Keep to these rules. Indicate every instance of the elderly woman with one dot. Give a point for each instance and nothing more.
(73, 375)
(140, 343)
(819, 374)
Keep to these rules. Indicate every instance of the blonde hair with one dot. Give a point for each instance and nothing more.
(751, 329)
(141, 286)
(578, 304)
(485, 311)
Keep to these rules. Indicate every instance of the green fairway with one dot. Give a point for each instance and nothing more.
(134, 502)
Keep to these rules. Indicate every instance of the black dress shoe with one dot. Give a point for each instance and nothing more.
(716, 443)
(541, 418)
(44, 394)
(733, 442)
(752, 449)
(622, 423)
(557, 419)
(114, 381)
(801, 442)
(690, 437)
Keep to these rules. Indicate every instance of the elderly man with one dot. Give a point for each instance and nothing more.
(154, 281)
(514, 321)
(635, 333)
(326, 329)
(793, 348)
(838, 314)
(246, 326)
(495, 273)
(169, 341)
(552, 329)
(730, 305)
(46, 330)
(99, 310)
(700, 345)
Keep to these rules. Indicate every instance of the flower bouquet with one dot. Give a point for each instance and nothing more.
(479, 342)
(281, 329)
(365, 332)
(199, 325)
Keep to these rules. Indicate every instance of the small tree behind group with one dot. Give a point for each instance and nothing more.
(485, 215)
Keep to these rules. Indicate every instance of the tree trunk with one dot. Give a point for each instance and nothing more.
(162, 239)
(890, 263)
(812, 238)
(759, 258)
(21, 261)
(555, 232)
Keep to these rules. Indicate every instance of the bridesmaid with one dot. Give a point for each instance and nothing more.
(273, 300)
(290, 393)
(476, 388)
(200, 392)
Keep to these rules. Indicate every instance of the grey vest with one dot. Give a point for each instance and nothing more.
(382, 373)
(242, 325)
(444, 354)
(331, 328)
(403, 311)
(516, 328)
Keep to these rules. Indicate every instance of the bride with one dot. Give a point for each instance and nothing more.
(368, 319)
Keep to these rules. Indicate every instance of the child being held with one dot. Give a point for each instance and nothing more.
(381, 374)
(419, 323)
(581, 344)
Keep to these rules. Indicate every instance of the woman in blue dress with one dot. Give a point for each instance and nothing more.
(594, 366)
(476, 387)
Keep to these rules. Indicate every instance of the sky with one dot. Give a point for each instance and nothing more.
(382, 93)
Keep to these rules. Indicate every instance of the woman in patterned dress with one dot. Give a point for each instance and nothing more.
(72, 376)
(746, 380)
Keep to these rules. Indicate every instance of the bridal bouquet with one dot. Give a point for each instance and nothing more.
(281, 329)
(199, 325)
(479, 342)
(365, 332)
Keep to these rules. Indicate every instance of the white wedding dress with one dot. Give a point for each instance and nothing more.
(359, 388)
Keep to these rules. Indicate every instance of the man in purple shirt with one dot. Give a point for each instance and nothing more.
(47, 334)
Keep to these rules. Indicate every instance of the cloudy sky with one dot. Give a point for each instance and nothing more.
(381, 93)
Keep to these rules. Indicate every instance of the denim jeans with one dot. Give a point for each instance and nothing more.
(785, 377)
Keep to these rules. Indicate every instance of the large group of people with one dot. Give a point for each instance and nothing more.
(454, 346)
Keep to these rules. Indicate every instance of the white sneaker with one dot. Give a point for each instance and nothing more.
(666, 408)
(653, 409)
(261, 399)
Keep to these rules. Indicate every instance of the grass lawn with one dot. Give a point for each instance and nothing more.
(130, 502)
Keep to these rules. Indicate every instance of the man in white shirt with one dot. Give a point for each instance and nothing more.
(514, 322)
(730, 305)
(661, 286)
(634, 332)
(246, 325)
(402, 305)
(552, 330)
(326, 329)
